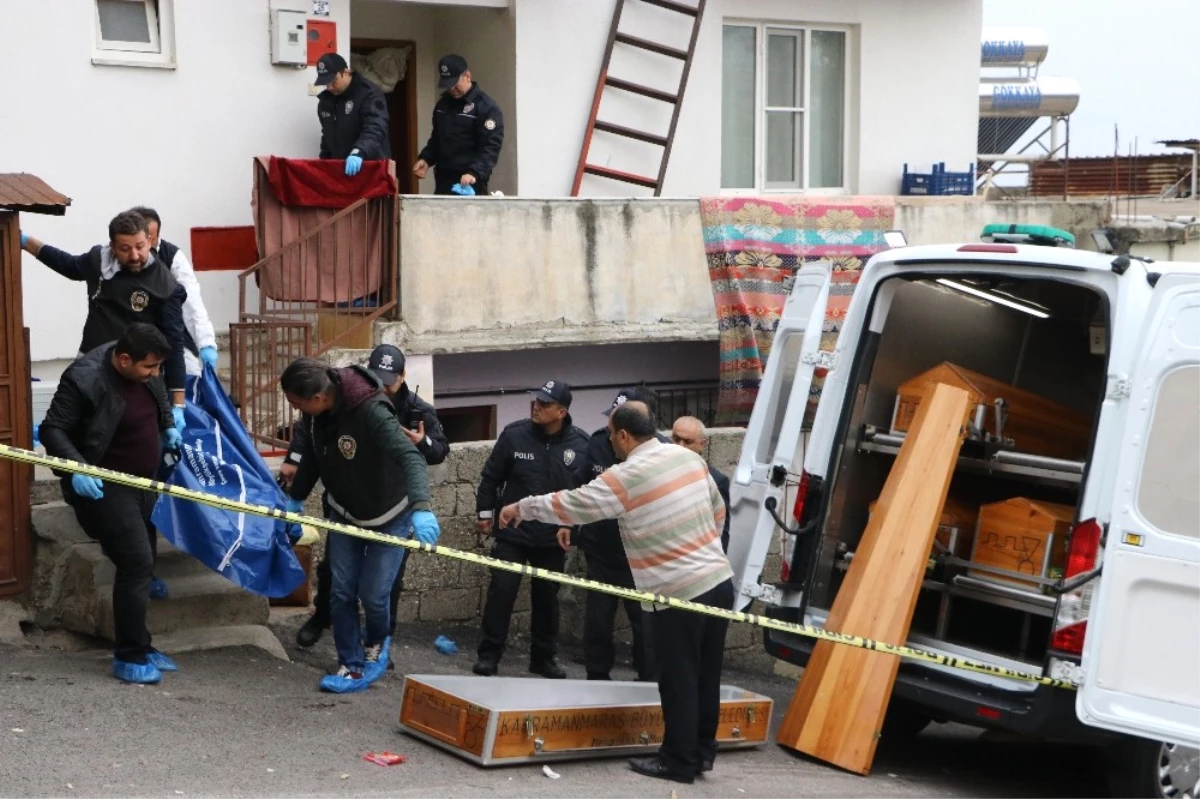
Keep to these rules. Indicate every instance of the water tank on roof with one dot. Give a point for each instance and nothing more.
(1034, 97)
(1014, 47)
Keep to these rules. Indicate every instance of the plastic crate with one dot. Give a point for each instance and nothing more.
(939, 181)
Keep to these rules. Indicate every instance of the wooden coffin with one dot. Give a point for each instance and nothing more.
(1035, 424)
(494, 721)
(302, 596)
(1022, 537)
(956, 526)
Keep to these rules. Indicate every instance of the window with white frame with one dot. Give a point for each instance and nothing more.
(783, 107)
(133, 32)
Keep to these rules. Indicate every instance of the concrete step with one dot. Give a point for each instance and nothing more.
(73, 582)
(198, 600)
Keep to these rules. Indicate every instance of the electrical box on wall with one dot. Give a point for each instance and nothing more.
(288, 44)
(322, 39)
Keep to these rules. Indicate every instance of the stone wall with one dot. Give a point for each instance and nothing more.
(440, 589)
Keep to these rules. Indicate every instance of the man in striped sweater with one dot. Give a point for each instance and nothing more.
(670, 514)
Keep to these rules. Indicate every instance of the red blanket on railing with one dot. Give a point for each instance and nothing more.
(323, 183)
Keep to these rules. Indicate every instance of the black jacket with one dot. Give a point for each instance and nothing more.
(525, 462)
(409, 409)
(723, 487)
(151, 295)
(467, 135)
(354, 122)
(602, 540)
(371, 471)
(88, 406)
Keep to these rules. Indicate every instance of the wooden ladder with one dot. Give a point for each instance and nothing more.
(676, 100)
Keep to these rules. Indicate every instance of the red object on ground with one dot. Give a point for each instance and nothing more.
(384, 758)
(323, 182)
(216, 248)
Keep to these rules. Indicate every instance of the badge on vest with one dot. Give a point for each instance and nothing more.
(348, 447)
(349, 106)
(568, 456)
(490, 124)
(138, 300)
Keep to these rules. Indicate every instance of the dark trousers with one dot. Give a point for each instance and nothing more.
(445, 178)
(502, 594)
(600, 613)
(689, 680)
(324, 589)
(120, 522)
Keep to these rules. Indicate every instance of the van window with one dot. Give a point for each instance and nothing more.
(1167, 495)
(782, 391)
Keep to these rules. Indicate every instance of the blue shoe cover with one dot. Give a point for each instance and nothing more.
(161, 661)
(142, 673)
(343, 683)
(158, 589)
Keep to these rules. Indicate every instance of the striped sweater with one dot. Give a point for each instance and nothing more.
(669, 512)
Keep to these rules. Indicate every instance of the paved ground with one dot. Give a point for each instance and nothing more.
(235, 722)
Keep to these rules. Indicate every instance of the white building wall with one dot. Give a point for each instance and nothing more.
(913, 97)
(181, 140)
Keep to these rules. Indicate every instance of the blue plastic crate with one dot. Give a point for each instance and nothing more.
(938, 182)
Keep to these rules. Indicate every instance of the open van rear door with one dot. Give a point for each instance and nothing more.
(773, 439)
(1142, 646)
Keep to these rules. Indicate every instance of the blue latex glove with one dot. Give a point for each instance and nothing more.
(294, 505)
(87, 487)
(465, 191)
(425, 525)
(24, 239)
(208, 356)
(173, 438)
(353, 164)
(177, 414)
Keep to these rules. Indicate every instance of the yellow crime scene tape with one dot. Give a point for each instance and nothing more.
(807, 631)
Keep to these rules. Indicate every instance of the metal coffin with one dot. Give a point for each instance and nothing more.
(494, 721)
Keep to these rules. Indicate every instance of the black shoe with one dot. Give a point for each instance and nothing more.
(311, 631)
(706, 765)
(486, 667)
(548, 669)
(654, 767)
(595, 676)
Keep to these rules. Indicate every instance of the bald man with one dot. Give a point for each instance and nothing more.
(689, 432)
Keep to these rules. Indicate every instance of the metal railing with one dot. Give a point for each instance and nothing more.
(322, 290)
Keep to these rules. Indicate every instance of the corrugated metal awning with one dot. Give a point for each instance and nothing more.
(23, 192)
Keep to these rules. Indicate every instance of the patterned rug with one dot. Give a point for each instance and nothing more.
(752, 244)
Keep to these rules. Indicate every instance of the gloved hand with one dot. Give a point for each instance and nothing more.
(177, 414)
(87, 487)
(173, 439)
(294, 505)
(465, 191)
(425, 525)
(208, 356)
(24, 239)
(353, 164)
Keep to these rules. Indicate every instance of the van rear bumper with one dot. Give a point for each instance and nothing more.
(1045, 712)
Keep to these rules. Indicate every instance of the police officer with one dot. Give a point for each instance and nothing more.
(607, 563)
(541, 454)
(353, 114)
(419, 422)
(126, 283)
(468, 130)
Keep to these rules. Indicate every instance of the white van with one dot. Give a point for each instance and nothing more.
(1116, 339)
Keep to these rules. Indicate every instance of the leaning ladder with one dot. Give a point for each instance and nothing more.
(615, 36)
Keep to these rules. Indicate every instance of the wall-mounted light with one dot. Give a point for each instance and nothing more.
(998, 299)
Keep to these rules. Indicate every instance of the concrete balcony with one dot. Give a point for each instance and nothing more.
(495, 274)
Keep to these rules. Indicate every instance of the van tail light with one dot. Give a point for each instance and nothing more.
(1070, 624)
(789, 541)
